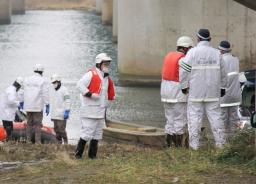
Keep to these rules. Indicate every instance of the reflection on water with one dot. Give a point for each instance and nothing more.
(66, 42)
(139, 105)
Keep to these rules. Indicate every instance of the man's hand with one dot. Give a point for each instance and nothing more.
(47, 109)
(21, 106)
(222, 92)
(88, 94)
(66, 114)
(185, 91)
(106, 75)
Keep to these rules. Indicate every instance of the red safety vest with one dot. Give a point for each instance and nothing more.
(170, 70)
(95, 85)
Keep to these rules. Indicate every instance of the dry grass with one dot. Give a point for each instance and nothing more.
(122, 163)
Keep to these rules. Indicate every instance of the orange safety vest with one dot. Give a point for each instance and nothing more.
(170, 70)
(95, 85)
(3, 134)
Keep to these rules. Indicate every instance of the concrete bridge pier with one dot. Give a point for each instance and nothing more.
(115, 20)
(148, 30)
(107, 12)
(18, 7)
(5, 12)
(98, 6)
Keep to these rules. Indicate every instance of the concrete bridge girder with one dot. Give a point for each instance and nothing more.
(107, 11)
(18, 7)
(5, 12)
(148, 30)
(115, 20)
(248, 3)
(98, 6)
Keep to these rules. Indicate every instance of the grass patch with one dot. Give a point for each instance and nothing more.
(124, 163)
(240, 150)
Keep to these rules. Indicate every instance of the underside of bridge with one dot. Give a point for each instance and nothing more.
(248, 3)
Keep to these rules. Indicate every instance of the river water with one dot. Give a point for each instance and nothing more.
(66, 42)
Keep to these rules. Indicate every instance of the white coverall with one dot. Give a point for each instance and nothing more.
(36, 93)
(92, 110)
(60, 101)
(9, 102)
(175, 107)
(232, 99)
(204, 74)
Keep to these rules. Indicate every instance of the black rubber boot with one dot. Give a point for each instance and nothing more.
(80, 148)
(179, 139)
(168, 140)
(93, 148)
(186, 140)
(59, 139)
(174, 139)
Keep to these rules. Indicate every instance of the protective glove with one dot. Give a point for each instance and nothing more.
(106, 75)
(185, 91)
(47, 109)
(66, 114)
(88, 94)
(222, 92)
(21, 106)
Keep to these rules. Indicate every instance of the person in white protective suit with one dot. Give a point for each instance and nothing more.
(10, 102)
(96, 89)
(203, 77)
(36, 96)
(60, 108)
(174, 100)
(230, 102)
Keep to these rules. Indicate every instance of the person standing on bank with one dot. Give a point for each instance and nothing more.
(204, 76)
(230, 102)
(171, 95)
(60, 108)
(10, 102)
(96, 89)
(36, 96)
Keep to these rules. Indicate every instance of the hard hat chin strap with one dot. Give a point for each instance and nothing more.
(98, 65)
(58, 85)
(183, 49)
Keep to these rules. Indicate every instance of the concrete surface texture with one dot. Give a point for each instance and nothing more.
(107, 11)
(98, 6)
(18, 6)
(5, 12)
(115, 20)
(148, 30)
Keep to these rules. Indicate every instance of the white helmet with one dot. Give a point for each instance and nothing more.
(19, 80)
(38, 68)
(185, 41)
(102, 57)
(55, 78)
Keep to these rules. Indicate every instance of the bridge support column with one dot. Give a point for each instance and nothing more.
(115, 20)
(149, 29)
(18, 7)
(5, 12)
(107, 11)
(142, 40)
(98, 6)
